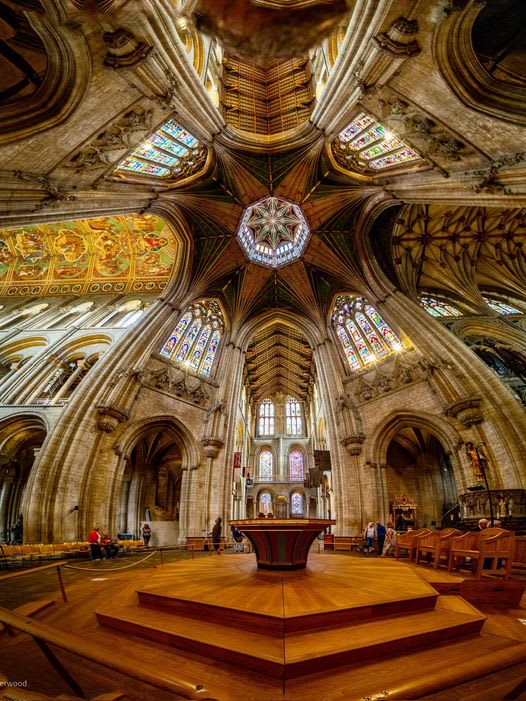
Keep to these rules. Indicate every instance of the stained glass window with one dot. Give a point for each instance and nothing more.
(296, 466)
(502, 308)
(195, 340)
(436, 308)
(363, 333)
(265, 466)
(170, 151)
(265, 503)
(293, 422)
(368, 143)
(296, 504)
(266, 418)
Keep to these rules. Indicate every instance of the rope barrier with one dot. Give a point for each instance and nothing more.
(111, 569)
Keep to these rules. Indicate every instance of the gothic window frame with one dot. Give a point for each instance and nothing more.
(294, 417)
(433, 306)
(266, 417)
(301, 494)
(500, 307)
(265, 450)
(263, 493)
(293, 451)
(188, 347)
(362, 339)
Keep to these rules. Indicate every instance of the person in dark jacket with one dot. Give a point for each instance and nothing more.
(380, 536)
(216, 535)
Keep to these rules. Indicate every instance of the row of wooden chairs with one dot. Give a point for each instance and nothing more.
(47, 551)
(492, 551)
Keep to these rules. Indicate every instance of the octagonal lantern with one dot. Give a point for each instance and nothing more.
(273, 231)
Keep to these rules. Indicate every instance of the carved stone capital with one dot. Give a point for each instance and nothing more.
(110, 417)
(467, 411)
(353, 443)
(212, 446)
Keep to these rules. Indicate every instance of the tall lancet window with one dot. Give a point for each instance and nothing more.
(364, 335)
(265, 466)
(293, 422)
(195, 340)
(296, 472)
(266, 418)
(436, 308)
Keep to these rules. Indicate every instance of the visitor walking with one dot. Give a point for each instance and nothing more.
(94, 539)
(216, 535)
(368, 536)
(380, 535)
(146, 534)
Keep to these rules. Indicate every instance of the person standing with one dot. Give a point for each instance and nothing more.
(216, 535)
(94, 543)
(390, 541)
(368, 535)
(146, 534)
(380, 535)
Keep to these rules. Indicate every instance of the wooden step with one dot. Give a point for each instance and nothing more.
(297, 653)
(365, 641)
(254, 650)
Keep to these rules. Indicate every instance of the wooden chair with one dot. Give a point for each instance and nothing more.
(435, 545)
(407, 542)
(519, 554)
(486, 549)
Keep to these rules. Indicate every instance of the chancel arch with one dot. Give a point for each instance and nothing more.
(21, 438)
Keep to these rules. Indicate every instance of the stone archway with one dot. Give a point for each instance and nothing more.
(418, 468)
(21, 438)
(152, 486)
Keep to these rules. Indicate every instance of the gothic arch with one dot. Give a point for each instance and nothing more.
(21, 438)
(464, 74)
(505, 333)
(396, 420)
(64, 85)
(133, 434)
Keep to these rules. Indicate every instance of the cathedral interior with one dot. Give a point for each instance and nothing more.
(261, 258)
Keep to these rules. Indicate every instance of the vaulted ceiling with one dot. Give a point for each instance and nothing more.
(279, 361)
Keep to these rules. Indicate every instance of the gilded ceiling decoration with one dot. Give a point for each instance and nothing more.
(279, 361)
(170, 152)
(105, 254)
(273, 232)
(467, 249)
(269, 98)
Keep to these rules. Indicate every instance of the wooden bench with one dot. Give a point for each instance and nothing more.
(486, 550)
(435, 545)
(407, 542)
(519, 554)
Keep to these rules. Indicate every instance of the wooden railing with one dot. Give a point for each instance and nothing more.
(22, 573)
(44, 635)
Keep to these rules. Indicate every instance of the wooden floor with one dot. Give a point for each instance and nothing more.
(409, 653)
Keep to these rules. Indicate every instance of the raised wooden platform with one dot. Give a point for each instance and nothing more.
(339, 611)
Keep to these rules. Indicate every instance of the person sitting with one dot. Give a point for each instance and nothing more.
(238, 540)
(109, 546)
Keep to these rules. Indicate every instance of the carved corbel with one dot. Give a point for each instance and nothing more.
(212, 446)
(109, 417)
(395, 41)
(467, 411)
(124, 50)
(353, 443)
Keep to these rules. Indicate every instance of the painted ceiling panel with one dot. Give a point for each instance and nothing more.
(104, 254)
